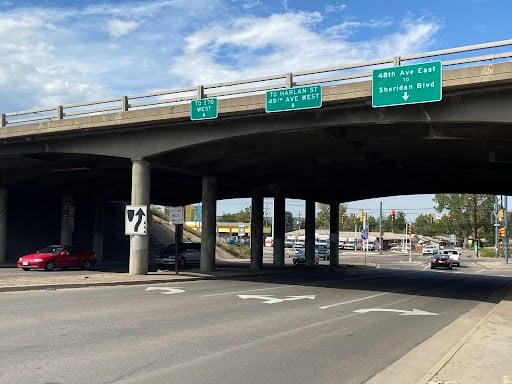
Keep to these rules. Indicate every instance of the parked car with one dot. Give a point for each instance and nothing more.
(454, 255)
(233, 241)
(300, 257)
(440, 260)
(322, 251)
(189, 254)
(57, 256)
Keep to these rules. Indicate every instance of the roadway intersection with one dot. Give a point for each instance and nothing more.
(308, 326)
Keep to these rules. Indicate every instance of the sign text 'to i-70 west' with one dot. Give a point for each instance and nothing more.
(288, 99)
(203, 109)
(408, 84)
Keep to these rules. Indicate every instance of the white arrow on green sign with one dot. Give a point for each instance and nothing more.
(203, 109)
(289, 99)
(408, 84)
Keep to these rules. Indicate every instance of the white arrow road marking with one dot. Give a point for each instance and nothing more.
(405, 96)
(168, 291)
(269, 299)
(414, 312)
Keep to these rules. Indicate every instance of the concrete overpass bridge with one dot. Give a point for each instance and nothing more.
(145, 149)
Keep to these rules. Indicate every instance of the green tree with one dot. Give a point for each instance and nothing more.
(463, 208)
(322, 217)
(423, 225)
(243, 216)
(289, 222)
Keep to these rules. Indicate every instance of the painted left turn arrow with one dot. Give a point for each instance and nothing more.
(166, 291)
(414, 312)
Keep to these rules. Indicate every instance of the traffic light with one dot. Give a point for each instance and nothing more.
(392, 215)
(431, 219)
(342, 219)
(366, 217)
(353, 218)
(501, 215)
(361, 215)
(409, 228)
(502, 232)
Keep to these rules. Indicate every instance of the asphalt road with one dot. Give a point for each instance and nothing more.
(267, 329)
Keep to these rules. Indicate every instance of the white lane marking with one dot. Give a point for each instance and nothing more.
(427, 267)
(483, 269)
(356, 300)
(269, 299)
(414, 312)
(247, 290)
(325, 282)
(167, 291)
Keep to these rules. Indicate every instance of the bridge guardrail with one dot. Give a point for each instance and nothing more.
(335, 75)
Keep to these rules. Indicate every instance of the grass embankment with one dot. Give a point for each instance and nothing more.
(242, 252)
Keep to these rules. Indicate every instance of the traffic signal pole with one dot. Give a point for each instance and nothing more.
(506, 229)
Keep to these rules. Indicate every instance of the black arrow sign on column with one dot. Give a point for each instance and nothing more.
(139, 213)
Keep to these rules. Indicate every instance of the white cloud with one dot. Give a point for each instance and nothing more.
(118, 28)
(349, 27)
(293, 41)
(60, 56)
(335, 8)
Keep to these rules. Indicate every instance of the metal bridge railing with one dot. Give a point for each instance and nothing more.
(323, 76)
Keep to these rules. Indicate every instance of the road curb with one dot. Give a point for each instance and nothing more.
(172, 279)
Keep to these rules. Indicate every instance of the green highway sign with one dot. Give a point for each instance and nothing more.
(409, 84)
(203, 109)
(288, 99)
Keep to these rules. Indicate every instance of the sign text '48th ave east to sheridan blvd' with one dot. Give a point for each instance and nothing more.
(289, 99)
(408, 84)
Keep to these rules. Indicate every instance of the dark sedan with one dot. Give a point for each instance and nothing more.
(441, 261)
(300, 257)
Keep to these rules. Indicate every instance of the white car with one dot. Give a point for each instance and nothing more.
(454, 255)
(429, 250)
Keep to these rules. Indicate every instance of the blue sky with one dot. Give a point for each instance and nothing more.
(58, 52)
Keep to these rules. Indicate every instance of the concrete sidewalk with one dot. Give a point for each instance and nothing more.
(484, 355)
(461, 353)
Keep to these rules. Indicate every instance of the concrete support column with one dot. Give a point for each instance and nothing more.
(3, 225)
(209, 224)
(139, 244)
(279, 230)
(334, 235)
(310, 233)
(98, 230)
(257, 230)
(67, 222)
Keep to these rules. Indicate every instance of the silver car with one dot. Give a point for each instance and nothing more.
(189, 254)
